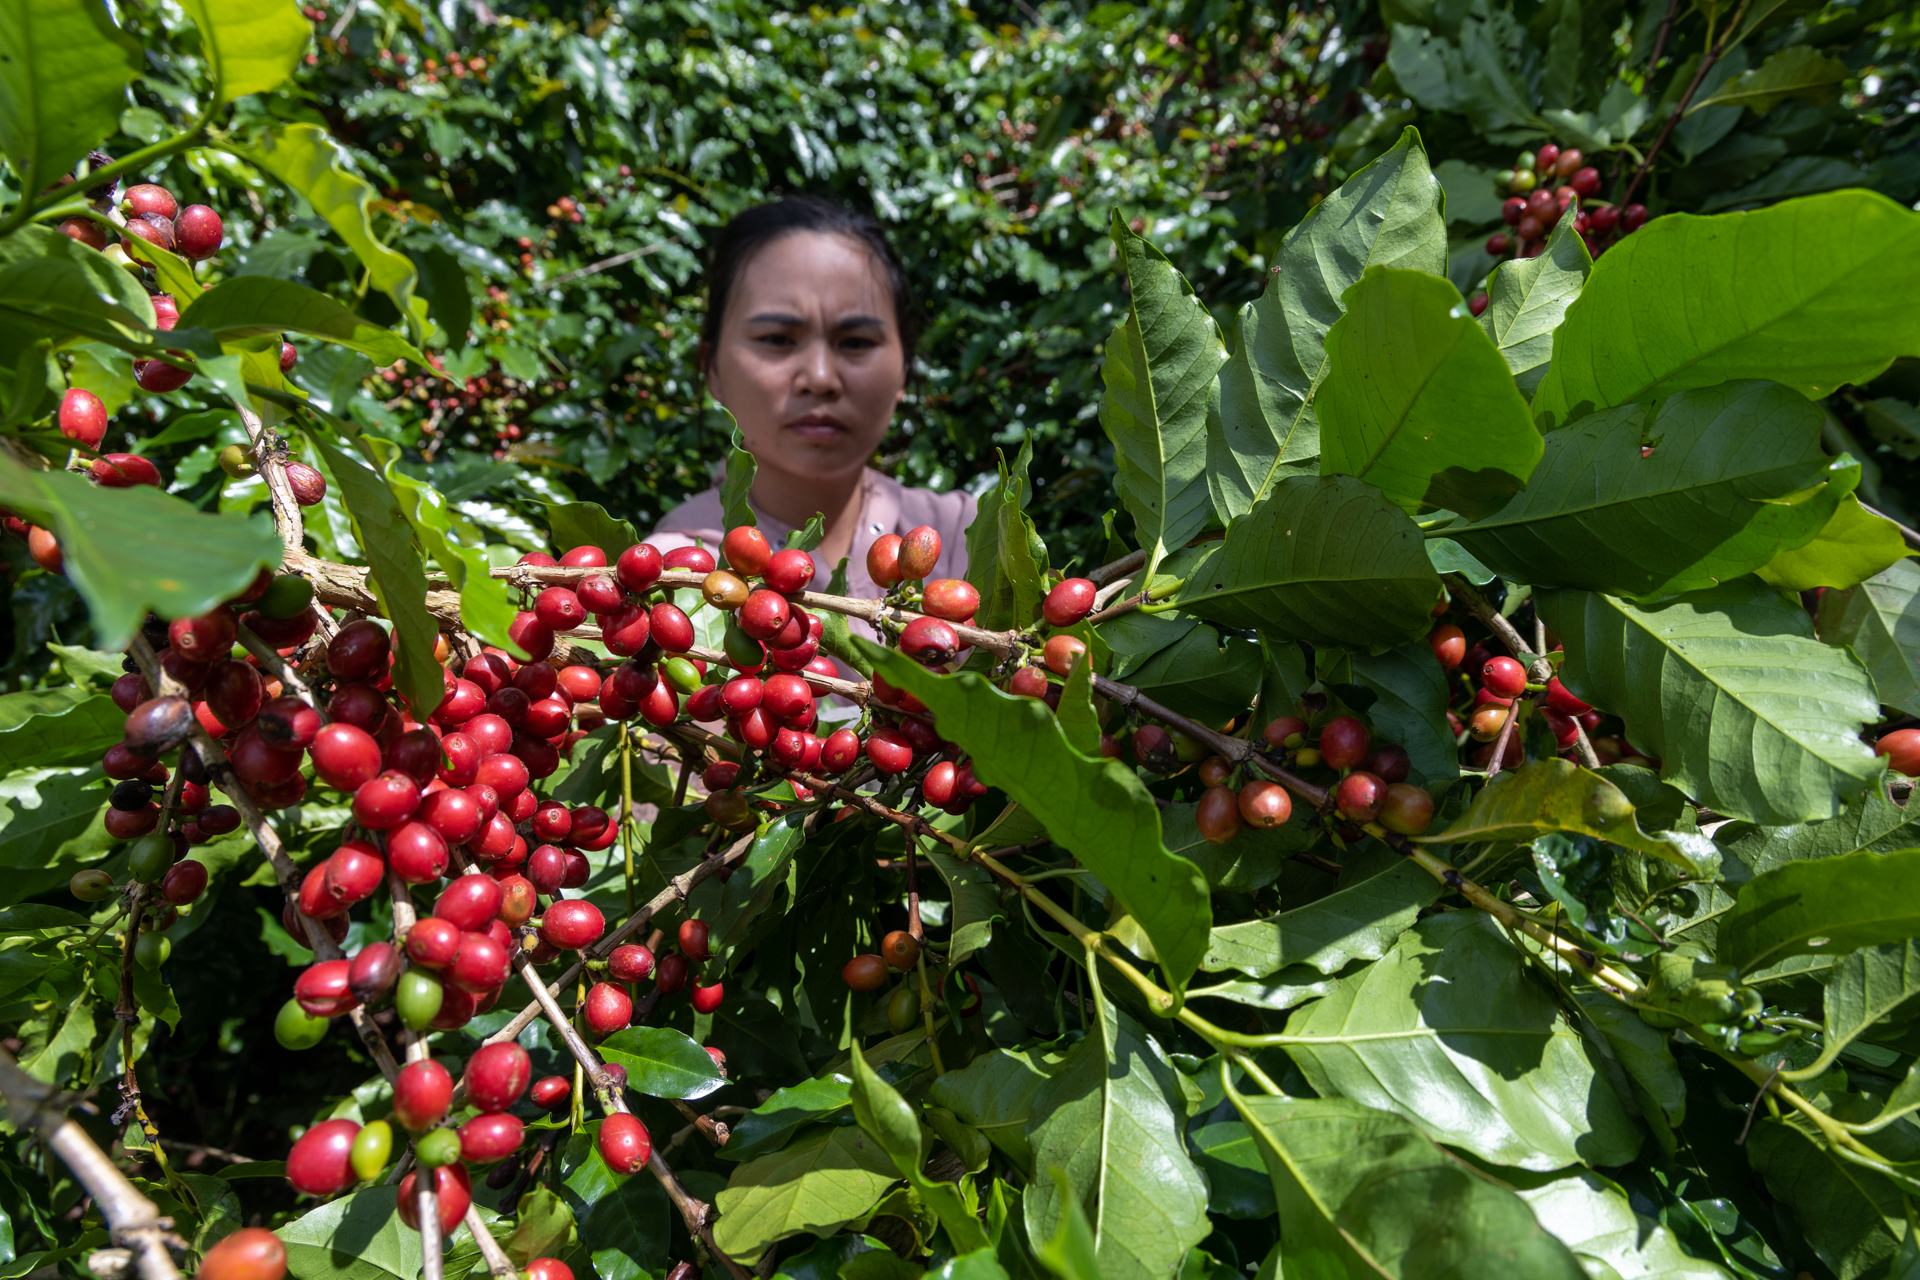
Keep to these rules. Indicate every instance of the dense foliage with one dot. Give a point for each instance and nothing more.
(1447, 830)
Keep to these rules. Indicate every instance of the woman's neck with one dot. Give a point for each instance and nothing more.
(794, 500)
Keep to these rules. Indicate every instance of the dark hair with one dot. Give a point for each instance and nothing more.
(751, 230)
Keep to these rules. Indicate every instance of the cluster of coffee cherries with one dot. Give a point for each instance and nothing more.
(1535, 205)
(899, 953)
(1478, 711)
(334, 1155)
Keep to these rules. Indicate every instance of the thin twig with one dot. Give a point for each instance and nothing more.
(607, 264)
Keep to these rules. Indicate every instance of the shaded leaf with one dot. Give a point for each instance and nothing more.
(768, 1126)
(1452, 1031)
(1096, 808)
(976, 903)
(485, 608)
(1880, 622)
(1866, 987)
(256, 306)
(996, 1093)
(817, 1184)
(1006, 561)
(1418, 401)
(1203, 674)
(1830, 907)
(893, 1122)
(48, 278)
(1329, 561)
(1854, 1218)
(1528, 297)
(1797, 71)
(46, 728)
(587, 524)
(357, 1237)
(1811, 292)
(1594, 1219)
(1378, 899)
(1749, 714)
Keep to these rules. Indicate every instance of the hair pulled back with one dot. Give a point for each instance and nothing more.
(751, 230)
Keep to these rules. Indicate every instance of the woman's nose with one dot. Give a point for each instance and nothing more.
(818, 374)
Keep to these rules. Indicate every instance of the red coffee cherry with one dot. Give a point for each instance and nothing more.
(490, 1138)
(1277, 732)
(1632, 218)
(954, 599)
(1265, 804)
(639, 567)
(453, 1193)
(630, 963)
(1359, 796)
(470, 901)
(706, 999)
(746, 549)
(840, 751)
(883, 560)
(599, 595)
(865, 973)
(1153, 748)
(359, 651)
(1487, 723)
(559, 608)
(929, 641)
(1069, 602)
(919, 552)
(764, 613)
(320, 1162)
(1449, 645)
(373, 971)
(1061, 652)
(693, 939)
(1028, 682)
(322, 989)
(184, 882)
(608, 1008)
(353, 872)
(83, 418)
(900, 949)
(1504, 677)
(548, 1269)
(432, 942)
(584, 557)
(671, 976)
(790, 571)
(1902, 750)
(573, 924)
(552, 1092)
(889, 751)
(1218, 815)
(386, 802)
(497, 1075)
(422, 1092)
(1344, 743)
(624, 1143)
(251, 1253)
(1562, 699)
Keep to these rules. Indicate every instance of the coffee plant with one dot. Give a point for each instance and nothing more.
(1459, 819)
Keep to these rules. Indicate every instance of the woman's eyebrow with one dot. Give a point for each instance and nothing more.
(776, 317)
(860, 322)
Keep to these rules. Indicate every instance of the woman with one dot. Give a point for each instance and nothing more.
(808, 341)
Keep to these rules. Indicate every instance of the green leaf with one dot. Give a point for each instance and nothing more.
(357, 1237)
(1528, 298)
(1643, 1053)
(818, 1184)
(1880, 622)
(1418, 400)
(1096, 808)
(1797, 71)
(976, 903)
(50, 818)
(1452, 1031)
(1159, 369)
(732, 908)
(254, 47)
(45, 728)
(997, 1093)
(1203, 674)
(1853, 1217)
(1850, 548)
(1412, 708)
(128, 551)
(64, 70)
(1112, 1121)
(306, 159)
(736, 490)
(623, 1219)
(544, 1227)
(1864, 988)
(48, 278)
(768, 1126)
(1558, 795)
(1828, 907)
(398, 579)
(1749, 714)
(1251, 860)
(1070, 1253)
(485, 608)
(663, 1063)
(1593, 1218)
(254, 306)
(1736, 476)
(978, 1265)
(1329, 561)
(1385, 215)
(1378, 899)
(1363, 1194)
(893, 1122)
(1812, 292)
(1006, 561)
(587, 524)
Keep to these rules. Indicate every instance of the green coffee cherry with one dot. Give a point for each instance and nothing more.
(416, 998)
(91, 885)
(289, 594)
(372, 1147)
(437, 1147)
(903, 1008)
(151, 950)
(682, 675)
(236, 462)
(742, 650)
(295, 1028)
(149, 857)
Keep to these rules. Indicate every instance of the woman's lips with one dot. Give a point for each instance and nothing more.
(819, 430)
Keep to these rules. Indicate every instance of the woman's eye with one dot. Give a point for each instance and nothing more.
(775, 339)
(858, 344)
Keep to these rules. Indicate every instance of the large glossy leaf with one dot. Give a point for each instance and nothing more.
(996, 1093)
(1111, 1120)
(50, 818)
(663, 1063)
(1363, 1194)
(1378, 899)
(1451, 1030)
(306, 159)
(623, 1219)
(398, 579)
(1006, 561)
(1329, 561)
(485, 608)
(1749, 714)
(785, 1112)
(1594, 1219)
(1851, 547)
(1159, 369)
(818, 1184)
(1794, 72)
(892, 1121)
(357, 1237)
(587, 524)
(1828, 907)
(736, 485)
(254, 45)
(1736, 476)
(1558, 795)
(250, 306)
(1528, 297)
(64, 69)
(1864, 988)
(1385, 215)
(47, 278)
(128, 551)
(1871, 821)
(1854, 1218)
(1880, 621)
(1203, 674)
(45, 728)
(1418, 401)
(1096, 808)
(1812, 292)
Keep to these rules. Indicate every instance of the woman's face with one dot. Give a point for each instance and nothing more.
(809, 359)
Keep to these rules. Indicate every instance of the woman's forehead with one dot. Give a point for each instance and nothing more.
(812, 275)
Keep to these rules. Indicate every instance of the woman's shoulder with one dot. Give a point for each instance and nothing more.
(949, 511)
(700, 517)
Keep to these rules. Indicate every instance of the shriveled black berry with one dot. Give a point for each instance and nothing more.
(131, 794)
